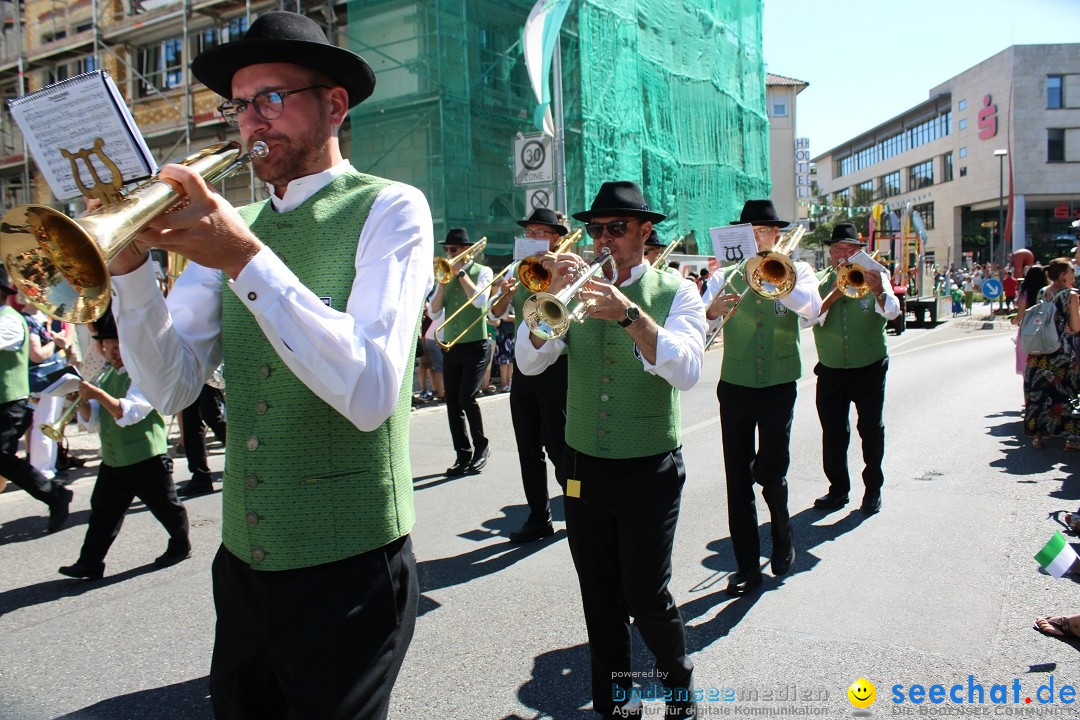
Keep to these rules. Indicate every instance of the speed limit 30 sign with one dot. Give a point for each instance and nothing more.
(532, 160)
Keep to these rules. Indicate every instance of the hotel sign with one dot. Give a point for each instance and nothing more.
(802, 168)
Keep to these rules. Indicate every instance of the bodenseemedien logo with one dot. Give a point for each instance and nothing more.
(862, 693)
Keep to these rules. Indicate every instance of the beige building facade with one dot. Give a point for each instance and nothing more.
(1004, 133)
(789, 164)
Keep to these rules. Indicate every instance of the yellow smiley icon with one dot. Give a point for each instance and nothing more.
(862, 693)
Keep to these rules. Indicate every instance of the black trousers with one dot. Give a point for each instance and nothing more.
(150, 481)
(463, 372)
(204, 412)
(538, 411)
(768, 412)
(318, 643)
(15, 417)
(836, 391)
(621, 532)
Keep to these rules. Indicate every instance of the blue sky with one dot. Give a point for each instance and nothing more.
(868, 61)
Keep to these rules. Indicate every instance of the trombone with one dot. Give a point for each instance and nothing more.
(61, 264)
(771, 274)
(529, 272)
(55, 432)
(549, 316)
(446, 268)
(658, 263)
(851, 279)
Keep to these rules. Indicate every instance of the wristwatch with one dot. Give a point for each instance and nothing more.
(632, 313)
(461, 273)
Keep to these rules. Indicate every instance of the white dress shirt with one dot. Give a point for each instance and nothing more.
(680, 343)
(804, 299)
(892, 304)
(12, 331)
(353, 360)
(134, 405)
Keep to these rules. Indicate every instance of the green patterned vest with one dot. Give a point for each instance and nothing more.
(303, 486)
(15, 364)
(123, 446)
(614, 409)
(761, 342)
(453, 298)
(853, 335)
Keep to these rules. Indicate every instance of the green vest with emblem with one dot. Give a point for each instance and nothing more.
(761, 342)
(853, 335)
(124, 446)
(303, 486)
(15, 364)
(614, 408)
(453, 298)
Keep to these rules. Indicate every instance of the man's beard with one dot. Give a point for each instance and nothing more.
(291, 157)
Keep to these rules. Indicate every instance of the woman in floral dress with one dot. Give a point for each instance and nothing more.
(1050, 381)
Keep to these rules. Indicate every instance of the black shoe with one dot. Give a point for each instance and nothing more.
(196, 487)
(172, 557)
(479, 460)
(741, 583)
(60, 509)
(83, 571)
(532, 531)
(871, 502)
(783, 554)
(830, 502)
(460, 467)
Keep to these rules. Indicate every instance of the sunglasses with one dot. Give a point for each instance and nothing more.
(615, 228)
(269, 104)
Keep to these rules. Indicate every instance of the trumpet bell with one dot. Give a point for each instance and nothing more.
(851, 279)
(531, 274)
(546, 315)
(444, 271)
(771, 274)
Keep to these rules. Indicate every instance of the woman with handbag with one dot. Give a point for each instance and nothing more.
(1050, 380)
(1034, 281)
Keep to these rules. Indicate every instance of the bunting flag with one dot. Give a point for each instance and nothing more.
(1057, 557)
(538, 43)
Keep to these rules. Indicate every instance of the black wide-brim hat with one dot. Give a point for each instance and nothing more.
(544, 216)
(105, 326)
(5, 282)
(457, 236)
(284, 37)
(619, 198)
(845, 232)
(760, 212)
(654, 239)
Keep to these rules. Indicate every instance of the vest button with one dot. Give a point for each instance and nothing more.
(261, 407)
(605, 379)
(252, 295)
(601, 432)
(252, 519)
(604, 397)
(264, 371)
(253, 443)
(251, 481)
(603, 415)
(607, 361)
(258, 554)
(759, 301)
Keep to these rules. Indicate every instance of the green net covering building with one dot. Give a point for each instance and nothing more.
(670, 94)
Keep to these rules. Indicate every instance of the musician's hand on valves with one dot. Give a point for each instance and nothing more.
(88, 391)
(604, 301)
(203, 227)
(721, 305)
(564, 269)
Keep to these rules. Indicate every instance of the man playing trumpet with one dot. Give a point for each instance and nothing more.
(757, 398)
(852, 361)
(642, 342)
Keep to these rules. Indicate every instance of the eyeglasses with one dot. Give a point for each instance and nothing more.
(269, 104)
(539, 233)
(615, 228)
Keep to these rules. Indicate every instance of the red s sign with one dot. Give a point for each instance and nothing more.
(987, 119)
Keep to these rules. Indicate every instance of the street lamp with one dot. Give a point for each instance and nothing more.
(1000, 155)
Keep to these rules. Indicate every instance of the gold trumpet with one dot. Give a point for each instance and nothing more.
(61, 264)
(529, 272)
(658, 263)
(851, 279)
(447, 268)
(55, 432)
(770, 274)
(549, 316)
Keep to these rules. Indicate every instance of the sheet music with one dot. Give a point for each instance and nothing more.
(69, 115)
(733, 243)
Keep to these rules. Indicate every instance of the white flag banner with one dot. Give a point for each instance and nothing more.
(538, 43)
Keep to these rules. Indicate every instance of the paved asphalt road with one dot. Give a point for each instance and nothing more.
(941, 585)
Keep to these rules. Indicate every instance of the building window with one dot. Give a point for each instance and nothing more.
(230, 30)
(909, 139)
(1055, 145)
(1054, 92)
(926, 211)
(71, 69)
(946, 167)
(840, 197)
(963, 171)
(779, 108)
(161, 66)
(963, 152)
(921, 175)
(890, 184)
(963, 123)
(961, 105)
